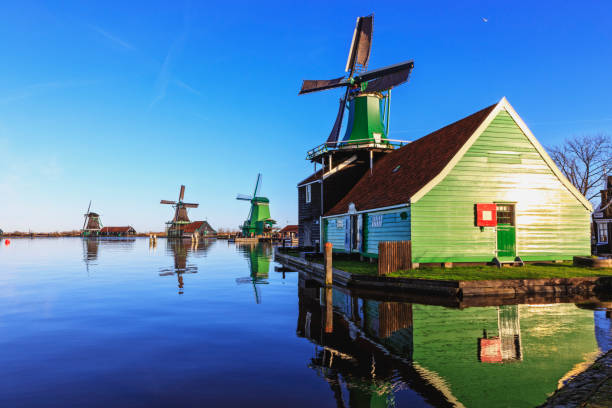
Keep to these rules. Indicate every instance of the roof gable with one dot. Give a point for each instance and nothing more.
(407, 174)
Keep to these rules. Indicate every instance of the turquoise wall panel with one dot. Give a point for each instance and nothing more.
(393, 228)
(334, 234)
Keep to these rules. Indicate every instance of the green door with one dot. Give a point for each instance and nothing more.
(506, 232)
(506, 241)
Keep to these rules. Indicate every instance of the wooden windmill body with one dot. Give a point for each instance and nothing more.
(176, 227)
(92, 224)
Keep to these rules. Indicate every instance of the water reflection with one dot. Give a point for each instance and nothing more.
(91, 247)
(259, 257)
(511, 355)
(180, 250)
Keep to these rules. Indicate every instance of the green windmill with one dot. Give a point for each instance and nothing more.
(367, 95)
(258, 221)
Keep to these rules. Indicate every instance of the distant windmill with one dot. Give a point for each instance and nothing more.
(180, 214)
(91, 224)
(258, 220)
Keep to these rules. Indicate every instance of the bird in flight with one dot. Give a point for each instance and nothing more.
(485, 20)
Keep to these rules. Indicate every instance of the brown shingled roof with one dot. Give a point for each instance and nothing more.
(289, 228)
(196, 225)
(116, 229)
(417, 164)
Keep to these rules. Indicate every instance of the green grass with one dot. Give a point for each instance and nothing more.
(485, 272)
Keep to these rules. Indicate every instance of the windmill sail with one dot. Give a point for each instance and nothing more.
(335, 133)
(86, 215)
(359, 53)
(257, 185)
(389, 81)
(315, 85)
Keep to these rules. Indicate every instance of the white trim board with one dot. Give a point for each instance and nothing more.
(391, 207)
(502, 105)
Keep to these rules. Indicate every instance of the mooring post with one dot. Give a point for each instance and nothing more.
(328, 264)
(329, 310)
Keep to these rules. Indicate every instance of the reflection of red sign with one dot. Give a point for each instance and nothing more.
(490, 350)
(486, 215)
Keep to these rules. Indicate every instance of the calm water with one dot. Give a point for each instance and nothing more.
(117, 323)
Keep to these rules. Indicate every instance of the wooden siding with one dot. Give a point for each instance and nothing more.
(501, 166)
(334, 234)
(336, 186)
(309, 213)
(393, 228)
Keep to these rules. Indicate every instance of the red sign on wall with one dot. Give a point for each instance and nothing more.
(486, 215)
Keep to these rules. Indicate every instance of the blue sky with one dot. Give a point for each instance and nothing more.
(121, 102)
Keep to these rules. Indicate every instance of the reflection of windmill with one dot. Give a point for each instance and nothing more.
(91, 224)
(259, 257)
(365, 93)
(180, 219)
(90, 251)
(258, 220)
(179, 250)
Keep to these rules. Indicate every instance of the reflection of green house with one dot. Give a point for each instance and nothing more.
(478, 189)
(554, 339)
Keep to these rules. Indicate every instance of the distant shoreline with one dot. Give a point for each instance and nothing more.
(68, 234)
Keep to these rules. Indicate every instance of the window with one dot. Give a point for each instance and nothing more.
(340, 223)
(505, 214)
(377, 221)
(602, 235)
(308, 193)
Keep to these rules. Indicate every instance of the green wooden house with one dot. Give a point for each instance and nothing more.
(478, 190)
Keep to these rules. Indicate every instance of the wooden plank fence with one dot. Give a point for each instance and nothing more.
(394, 256)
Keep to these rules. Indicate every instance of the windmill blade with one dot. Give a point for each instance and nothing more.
(359, 53)
(315, 85)
(335, 133)
(381, 72)
(257, 185)
(244, 197)
(388, 81)
(167, 202)
(190, 205)
(182, 193)
(86, 214)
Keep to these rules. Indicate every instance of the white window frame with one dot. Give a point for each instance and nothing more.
(308, 193)
(376, 220)
(602, 231)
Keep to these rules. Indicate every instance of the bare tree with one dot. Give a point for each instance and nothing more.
(584, 161)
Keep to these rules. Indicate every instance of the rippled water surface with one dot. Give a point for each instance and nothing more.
(118, 323)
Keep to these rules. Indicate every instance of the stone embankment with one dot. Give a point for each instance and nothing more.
(591, 388)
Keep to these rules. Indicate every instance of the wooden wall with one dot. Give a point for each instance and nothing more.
(502, 165)
(393, 228)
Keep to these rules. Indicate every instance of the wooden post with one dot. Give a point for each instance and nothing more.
(328, 264)
(329, 310)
